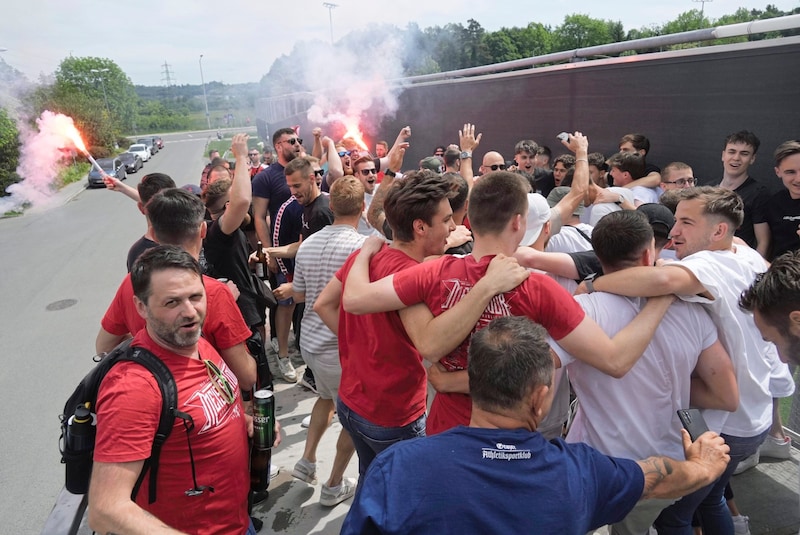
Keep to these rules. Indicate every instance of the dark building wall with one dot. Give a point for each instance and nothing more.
(685, 102)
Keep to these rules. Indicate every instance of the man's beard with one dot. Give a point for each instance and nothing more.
(173, 334)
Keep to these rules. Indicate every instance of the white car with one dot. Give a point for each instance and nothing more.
(140, 150)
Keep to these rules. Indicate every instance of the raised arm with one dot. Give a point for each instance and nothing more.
(316, 150)
(714, 380)
(579, 145)
(241, 193)
(468, 142)
(335, 169)
(375, 214)
(616, 356)
(400, 142)
(706, 459)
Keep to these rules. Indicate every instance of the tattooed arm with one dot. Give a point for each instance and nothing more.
(706, 459)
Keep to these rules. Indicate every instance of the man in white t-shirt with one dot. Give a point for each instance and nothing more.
(636, 415)
(713, 271)
(626, 167)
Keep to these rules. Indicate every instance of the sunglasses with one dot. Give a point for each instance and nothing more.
(344, 153)
(220, 382)
(367, 172)
(497, 166)
(293, 141)
(682, 181)
(318, 172)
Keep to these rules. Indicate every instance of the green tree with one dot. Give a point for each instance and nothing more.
(579, 31)
(9, 152)
(500, 46)
(100, 79)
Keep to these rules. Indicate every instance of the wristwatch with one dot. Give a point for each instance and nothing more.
(465, 154)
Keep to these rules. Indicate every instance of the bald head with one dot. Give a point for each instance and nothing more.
(492, 158)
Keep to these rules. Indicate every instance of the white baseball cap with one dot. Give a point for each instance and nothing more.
(538, 215)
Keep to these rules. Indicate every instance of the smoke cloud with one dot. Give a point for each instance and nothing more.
(41, 159)
(355, 82)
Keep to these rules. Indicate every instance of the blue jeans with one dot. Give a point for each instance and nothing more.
(709, 502)
(251, 530)
(370, 439)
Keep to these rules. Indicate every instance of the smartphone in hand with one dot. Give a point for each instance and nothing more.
(693, 422)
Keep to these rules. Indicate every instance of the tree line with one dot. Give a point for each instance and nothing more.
(106, 105)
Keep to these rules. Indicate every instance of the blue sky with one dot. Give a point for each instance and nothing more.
(240, 39)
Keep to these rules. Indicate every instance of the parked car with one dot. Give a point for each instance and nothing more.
(141, 150)
(133, 162)
(111, 166)
(151, 145)
(159, 142)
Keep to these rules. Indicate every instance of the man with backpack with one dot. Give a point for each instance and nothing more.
(203, 479)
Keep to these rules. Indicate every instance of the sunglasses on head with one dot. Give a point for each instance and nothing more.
(293, 141)
(220, 382)
(497, 166)
(367, 172)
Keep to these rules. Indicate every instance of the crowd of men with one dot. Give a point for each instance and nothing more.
(395, 277)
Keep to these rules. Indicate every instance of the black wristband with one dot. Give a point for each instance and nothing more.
(389, 172)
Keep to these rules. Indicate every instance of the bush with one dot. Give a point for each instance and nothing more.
(100, 152)
(73, 173)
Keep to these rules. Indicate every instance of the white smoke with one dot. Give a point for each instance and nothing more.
(41, 159)
(355, 82)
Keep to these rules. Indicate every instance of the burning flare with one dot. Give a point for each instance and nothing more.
(354, 132)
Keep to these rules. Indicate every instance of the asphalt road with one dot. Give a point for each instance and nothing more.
(59, 270)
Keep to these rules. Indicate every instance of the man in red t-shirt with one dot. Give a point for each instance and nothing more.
(177, 219)
(170, 296)
(497, 211)
(382, 394)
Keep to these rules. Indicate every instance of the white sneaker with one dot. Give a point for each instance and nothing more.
(330, 496)
(741, 525)
(306, 422)
(305, 471)
(273, 471)
(776, 448)
(287, 370)
(274, 343)
(747, 464)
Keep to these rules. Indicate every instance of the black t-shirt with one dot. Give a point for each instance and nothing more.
(783, 218)
(316, 215)
(139, 246)
(586, 263)
(226, 255)
(756, 199)
(270, 184)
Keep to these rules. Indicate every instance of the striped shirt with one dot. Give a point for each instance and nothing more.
(318, 259)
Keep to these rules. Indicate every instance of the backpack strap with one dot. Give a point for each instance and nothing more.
(169, 411)
(582, 233)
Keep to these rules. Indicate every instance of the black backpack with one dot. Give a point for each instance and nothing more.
(78, 457)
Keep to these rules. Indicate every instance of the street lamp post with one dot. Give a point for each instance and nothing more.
(330, 8)
(103, 85)
(205, 99)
